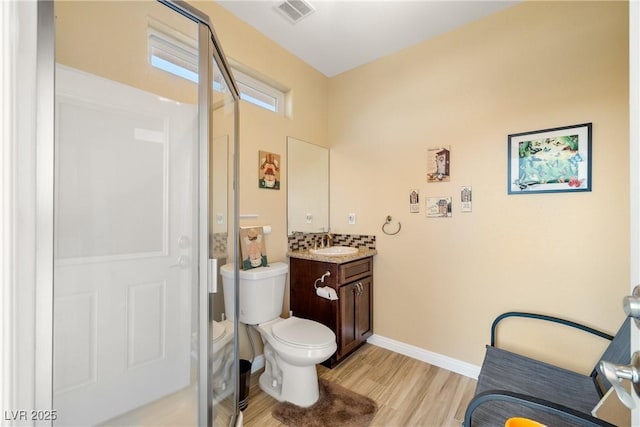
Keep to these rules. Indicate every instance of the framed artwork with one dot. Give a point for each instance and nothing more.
(466, 198)
(268, 170)
(414, 200)
(550, 160)
(438, 207)
(438, 163)
(252, 247)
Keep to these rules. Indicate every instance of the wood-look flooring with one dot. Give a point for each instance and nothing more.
(408, 392)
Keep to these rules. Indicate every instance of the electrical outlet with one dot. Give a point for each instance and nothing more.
(352, 218)
(309, 218)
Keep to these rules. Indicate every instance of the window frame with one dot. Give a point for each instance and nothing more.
(176, 55)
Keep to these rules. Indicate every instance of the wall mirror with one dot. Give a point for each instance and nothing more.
(307, 187)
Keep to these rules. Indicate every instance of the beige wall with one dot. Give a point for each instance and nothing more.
(264, 130)
(440, 282)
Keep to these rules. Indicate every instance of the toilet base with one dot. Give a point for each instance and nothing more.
(299, 385)
(290, 373)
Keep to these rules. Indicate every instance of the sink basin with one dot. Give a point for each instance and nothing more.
(334, 251)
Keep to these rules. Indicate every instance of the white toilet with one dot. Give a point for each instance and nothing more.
(293, 346)
(221, 359)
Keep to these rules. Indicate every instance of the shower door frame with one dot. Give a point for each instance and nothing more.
(44, 200)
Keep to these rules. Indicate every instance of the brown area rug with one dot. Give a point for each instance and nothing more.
(336, 406)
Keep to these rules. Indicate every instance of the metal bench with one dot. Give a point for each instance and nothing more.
(513, 385)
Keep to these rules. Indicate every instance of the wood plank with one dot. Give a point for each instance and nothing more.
(408, 392)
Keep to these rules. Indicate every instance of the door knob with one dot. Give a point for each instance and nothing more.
(184, 242)
(616, 373)
(631, 305)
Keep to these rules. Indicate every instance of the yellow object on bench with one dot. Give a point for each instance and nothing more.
(522, 422)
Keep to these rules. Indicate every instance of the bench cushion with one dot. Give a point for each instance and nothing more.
(504, 370)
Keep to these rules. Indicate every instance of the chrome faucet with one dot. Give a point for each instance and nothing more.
(329, 239)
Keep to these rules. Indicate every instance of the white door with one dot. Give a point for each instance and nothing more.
(124, 248)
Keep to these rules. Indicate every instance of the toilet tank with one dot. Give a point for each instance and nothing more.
(261, 292)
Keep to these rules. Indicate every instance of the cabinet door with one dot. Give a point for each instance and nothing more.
(349, 338)
(355, 315)
(363, 309)
(303, 299)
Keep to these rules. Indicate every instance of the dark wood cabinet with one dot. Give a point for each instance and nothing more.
(351, 316)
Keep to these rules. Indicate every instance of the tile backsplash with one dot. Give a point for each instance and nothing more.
(299, 240)
(217, 244)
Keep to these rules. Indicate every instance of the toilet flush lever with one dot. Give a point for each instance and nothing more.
(631, 305)
(616, 373)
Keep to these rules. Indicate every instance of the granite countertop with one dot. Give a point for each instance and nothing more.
(305, 254)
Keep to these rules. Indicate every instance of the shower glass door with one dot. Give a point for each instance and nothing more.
(128, 205)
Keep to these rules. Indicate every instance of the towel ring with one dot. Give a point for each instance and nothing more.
(387, 222)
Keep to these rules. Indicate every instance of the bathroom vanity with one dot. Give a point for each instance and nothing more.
(350, 317)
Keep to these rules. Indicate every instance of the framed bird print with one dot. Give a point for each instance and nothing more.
(550, 160)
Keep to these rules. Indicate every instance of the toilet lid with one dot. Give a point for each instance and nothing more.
(303, 333)
(217, 331)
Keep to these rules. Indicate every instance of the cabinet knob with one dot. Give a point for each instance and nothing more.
(359, 288)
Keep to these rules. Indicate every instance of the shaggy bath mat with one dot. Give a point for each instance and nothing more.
(336, 406)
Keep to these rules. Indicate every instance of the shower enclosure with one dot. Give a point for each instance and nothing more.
(143, 114)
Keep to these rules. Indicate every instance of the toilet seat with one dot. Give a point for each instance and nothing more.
(303, 333)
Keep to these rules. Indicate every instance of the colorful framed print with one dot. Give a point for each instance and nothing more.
(550, 160)
(268, 170)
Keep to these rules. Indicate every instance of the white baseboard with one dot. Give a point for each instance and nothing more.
(439, 360)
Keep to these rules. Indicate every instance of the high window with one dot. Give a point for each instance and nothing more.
(176, 54)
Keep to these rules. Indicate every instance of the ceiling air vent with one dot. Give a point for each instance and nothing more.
(295, 10)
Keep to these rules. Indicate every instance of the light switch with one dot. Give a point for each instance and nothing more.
(352, 218)
(309, 218)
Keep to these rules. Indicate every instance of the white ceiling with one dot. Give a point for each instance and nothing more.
(341, 35)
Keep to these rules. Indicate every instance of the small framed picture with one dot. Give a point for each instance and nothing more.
(438, 207)
(466, 198)
(550, 160)
(252, 247)
(268, 170)
(414, 200)
(438, 164)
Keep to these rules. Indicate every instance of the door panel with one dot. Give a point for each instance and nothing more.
(123, 298)
(146, 321)
(130, 321)
(348, 312)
